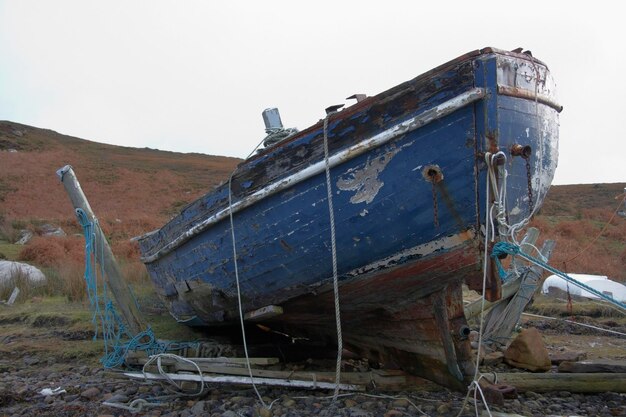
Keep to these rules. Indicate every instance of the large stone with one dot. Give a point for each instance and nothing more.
(528, 351)
(19, 273)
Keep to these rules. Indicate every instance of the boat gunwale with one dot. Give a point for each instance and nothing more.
(426, 117)
(363, 104)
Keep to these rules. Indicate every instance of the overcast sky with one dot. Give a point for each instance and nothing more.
(194, 76)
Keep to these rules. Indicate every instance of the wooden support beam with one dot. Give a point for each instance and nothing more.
(510, 287)
(500, 322)
(120, 290)
(508, 290)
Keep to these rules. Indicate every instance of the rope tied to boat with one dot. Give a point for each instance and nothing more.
(238, 286)
(333, 241)
(507, 248)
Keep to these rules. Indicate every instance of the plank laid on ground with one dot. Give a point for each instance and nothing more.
(244, 380)
(140, 358)
(580, 383)
(385, 380)
(594, 366)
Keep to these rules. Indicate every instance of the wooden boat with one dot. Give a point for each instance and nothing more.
(408, 176)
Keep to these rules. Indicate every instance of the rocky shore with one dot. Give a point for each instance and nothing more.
(86, 391)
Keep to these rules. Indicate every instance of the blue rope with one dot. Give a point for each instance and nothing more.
(118, 339)
(502, 248)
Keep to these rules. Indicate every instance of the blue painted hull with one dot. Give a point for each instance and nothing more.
(408, 179)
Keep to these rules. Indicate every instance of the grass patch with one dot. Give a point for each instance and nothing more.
(9, 251)
(554, 307)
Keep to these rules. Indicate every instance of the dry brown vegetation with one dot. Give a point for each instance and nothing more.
(132, 191)
(589, 237)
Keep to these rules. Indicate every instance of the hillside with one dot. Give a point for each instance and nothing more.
(136, 190)
(577, 217)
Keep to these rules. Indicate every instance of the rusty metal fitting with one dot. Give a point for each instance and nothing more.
(432, 173)
(521, 150)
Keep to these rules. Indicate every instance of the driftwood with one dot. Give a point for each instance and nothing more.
(572, 382)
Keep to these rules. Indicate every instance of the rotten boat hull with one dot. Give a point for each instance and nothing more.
(408, 178)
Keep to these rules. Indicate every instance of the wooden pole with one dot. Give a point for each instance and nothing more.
(116, 282)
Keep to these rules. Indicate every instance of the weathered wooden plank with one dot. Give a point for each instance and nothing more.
(500, 323)
(384, 380)
(376, 378)
(572, 382)
(244, 381)
(508, 290)
(139, 358)
(594, 366)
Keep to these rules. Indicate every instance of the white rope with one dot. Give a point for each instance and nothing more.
(505, 230)
(157, 358)
(241, 320)
(333, 242)
(135, 406)
(474, 385)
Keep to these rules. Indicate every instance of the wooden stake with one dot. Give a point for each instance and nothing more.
(116, 282)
